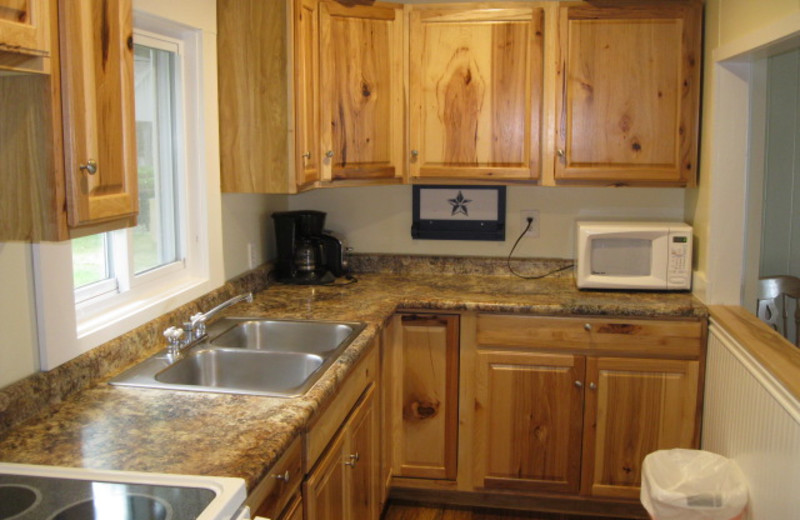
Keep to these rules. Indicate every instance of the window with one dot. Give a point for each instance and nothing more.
(114, 262)
(126, 278)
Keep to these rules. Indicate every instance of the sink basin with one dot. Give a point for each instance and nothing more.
(278, 358)
(279, 373)
(313, 337)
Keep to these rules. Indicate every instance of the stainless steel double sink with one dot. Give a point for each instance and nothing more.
(278, 358)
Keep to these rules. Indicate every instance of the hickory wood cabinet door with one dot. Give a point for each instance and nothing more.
(528, 421)
(633, 407)
(475, 86)
(629, 92)
(344, 484)
(361, 92)
(24, 27)
(307, 154)
(98, 112)
(423, 404)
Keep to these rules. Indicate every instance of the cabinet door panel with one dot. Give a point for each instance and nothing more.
(24, 26)
(629, 99)
(361, 92)
(634, 407)
(427, 444)
(324, 491)
(475, 87)
(97, 67)
(364, 460)
(528, 421)
(306, 91)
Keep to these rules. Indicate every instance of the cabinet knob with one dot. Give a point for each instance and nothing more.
(307, 155)
(579, 384)
(414, 154)
(592, 386)
(284, 477)
(560, 152)
(353, 460)
(329, 154)
(90, 167)
(587, 327)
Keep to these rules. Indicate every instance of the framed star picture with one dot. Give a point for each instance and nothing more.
(459, 212)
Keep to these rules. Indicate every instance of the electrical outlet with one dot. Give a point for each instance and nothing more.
(252, 255)
(525, 214)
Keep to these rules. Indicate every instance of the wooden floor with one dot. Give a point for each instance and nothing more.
(407, 511)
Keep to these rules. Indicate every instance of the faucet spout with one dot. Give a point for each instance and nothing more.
(197, 323)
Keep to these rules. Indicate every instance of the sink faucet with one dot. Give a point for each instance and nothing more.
(196, 326)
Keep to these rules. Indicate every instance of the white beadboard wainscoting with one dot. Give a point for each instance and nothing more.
(749, 417)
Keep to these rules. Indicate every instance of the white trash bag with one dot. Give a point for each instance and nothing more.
(692, 485)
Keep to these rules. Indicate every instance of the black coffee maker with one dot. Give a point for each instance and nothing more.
(307, 254)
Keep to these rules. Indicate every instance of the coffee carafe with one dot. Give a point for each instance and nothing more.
(300, 241)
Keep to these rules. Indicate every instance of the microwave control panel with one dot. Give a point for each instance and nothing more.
(679, 267)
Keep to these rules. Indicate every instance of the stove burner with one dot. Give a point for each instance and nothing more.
(126, 507)
(16, 499)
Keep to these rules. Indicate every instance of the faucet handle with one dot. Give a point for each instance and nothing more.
(198, 322)
(173, 335)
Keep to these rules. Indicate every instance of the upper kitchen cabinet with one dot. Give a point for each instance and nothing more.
(25, 35)
(67, 142)
(99, 119)
(628, 92)
(310, 94)
(361, 94)
(475, 86)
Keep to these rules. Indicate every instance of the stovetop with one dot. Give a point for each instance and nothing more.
(53, 493)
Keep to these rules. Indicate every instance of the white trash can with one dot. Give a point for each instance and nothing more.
(692, 485)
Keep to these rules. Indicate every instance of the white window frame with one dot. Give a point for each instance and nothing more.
(64, 333)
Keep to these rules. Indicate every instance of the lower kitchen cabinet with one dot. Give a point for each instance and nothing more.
(344, 484)
(423, 401)
(572, 406)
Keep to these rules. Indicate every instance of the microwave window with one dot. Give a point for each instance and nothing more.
(621, 256)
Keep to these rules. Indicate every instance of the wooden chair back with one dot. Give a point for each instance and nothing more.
(778, 297)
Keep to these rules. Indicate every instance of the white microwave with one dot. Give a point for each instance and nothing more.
(634, 255)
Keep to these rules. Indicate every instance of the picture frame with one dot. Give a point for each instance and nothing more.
(459, 212)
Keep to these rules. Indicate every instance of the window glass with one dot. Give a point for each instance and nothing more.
(156, 238)
(91, 261)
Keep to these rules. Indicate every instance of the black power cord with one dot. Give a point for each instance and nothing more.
(525, 277)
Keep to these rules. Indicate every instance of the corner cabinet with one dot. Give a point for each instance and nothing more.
(317, 98)
(423, 404)
(572, 406)
(628, 93)
(475, 82)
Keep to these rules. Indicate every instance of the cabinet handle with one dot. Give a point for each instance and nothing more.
(353, 460)
(329, 154)
(587, 327)
(90, 167)
(592, 386)
(284, 477)
(579, 384)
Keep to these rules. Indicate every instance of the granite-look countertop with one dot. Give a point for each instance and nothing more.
(109, 427)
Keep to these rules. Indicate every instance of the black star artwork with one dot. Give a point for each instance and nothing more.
(459, 204)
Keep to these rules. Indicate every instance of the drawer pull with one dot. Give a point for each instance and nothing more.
(284, 477)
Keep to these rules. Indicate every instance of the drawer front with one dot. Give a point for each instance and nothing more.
(670, 338)
(283, 480)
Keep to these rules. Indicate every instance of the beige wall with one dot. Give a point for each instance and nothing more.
(378, 219)
(246, 224)
(17, 313)
(731, 23)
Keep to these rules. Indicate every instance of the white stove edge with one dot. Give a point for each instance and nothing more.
(226, 505)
